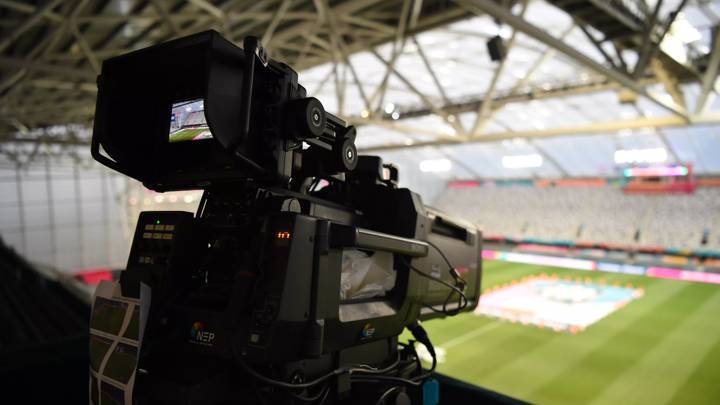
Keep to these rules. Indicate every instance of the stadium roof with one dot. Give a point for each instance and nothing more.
(577, 84)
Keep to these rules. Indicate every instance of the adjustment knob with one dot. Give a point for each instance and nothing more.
(345, 150)
(307, 118)
(348, 155)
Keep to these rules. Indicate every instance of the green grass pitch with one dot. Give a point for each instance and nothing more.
(186, 134)
(663, 348)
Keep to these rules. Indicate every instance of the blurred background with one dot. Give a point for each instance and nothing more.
(582, 137)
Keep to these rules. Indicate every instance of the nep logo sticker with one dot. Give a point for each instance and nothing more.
(367, 332)
(200, 335)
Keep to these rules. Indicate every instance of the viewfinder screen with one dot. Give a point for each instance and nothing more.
(187, 122)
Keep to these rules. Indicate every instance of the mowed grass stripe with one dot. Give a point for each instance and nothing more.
(493, 340)
(470, 335)
(591, 373)
(562, 351)
(481, 355)
(678, 354)
(450, 328)
(702, 386)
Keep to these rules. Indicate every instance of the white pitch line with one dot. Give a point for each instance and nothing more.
(469, 335)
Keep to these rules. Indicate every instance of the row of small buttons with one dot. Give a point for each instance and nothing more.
(146, 259)
(153, 227)
(161, 260)
(150, 235)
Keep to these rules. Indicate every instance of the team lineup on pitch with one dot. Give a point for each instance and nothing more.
(565, 304)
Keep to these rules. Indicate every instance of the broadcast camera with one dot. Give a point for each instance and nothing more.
(304, 262)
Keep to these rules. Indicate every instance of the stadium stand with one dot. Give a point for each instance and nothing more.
(591, 214)
(194, 119)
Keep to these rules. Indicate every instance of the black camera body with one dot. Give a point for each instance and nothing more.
(254, 107)
(304, 262)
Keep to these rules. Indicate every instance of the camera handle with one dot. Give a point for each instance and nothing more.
(95, 151)
(341, 236)
(253, 50)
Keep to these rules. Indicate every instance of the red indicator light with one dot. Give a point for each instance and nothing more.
(282, 235)
(94, 277)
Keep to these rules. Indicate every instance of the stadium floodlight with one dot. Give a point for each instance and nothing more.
(522, 161)
(649, 155)
(435, 165)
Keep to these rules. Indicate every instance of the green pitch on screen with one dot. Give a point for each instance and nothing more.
(186, 134)
(662, 348)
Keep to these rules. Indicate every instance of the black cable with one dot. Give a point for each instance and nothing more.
(459, 287)
(417, 361)
(462, 298)
(427, 373)
(421, 335)
(442, 254)
(284, 384)
(325, 397)
(349, 369)
(312, 185)
(390, 367)
(462, 304)
(355, 371)
(381, 378)
(258, 393)
(384, 396)
(313, 398)
(439, 280)
(451, 269)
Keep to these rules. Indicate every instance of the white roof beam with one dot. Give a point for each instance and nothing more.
(27, 24)
(710, 76)
(599, 128)
(494, 10)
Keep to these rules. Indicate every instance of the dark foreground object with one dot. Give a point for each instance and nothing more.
(44, 344)
(44, 339)
(56, 373)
